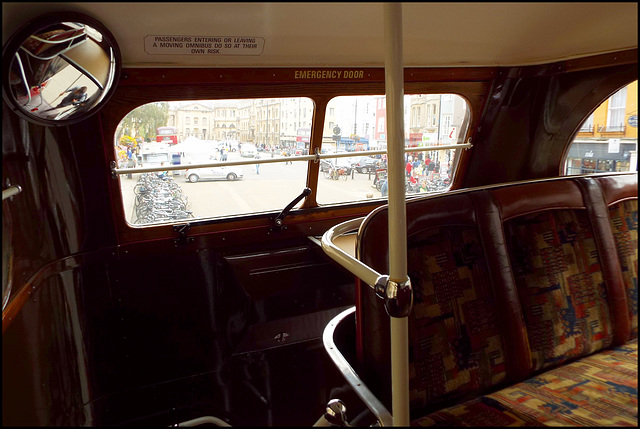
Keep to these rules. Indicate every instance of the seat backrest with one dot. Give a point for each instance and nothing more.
(456, 348)
(557, 270)
(507, 281)
(620, 195)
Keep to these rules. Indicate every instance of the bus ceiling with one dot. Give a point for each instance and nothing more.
(349, 34)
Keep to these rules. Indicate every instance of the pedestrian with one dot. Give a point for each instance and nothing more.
(77, 96)
(384, 188)
(162, 174)
(130, 162)
(430, 167)
(257, 165)
(409, 167)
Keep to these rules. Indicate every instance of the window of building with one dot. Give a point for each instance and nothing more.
(446, 122)
(616, 112)
(601, 151)
(587, 126)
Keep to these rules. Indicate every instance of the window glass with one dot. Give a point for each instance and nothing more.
(230, 131)
(608, 139)
(356, 124)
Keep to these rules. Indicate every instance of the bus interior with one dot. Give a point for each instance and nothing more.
(433, 221)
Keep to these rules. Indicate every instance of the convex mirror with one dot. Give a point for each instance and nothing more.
(60, 68)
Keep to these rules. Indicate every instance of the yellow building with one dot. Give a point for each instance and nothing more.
(614, 117)
(608, 139)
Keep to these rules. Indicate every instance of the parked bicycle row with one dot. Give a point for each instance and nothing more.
(159, 198)
(414, 185)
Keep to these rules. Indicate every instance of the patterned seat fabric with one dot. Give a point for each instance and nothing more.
(560, 285)
(455, 345)
(598, 390)
(624, 223)
(508, 283)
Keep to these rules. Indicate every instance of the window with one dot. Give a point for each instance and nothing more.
(416, 118)
(220, 191)
(587, 126)
(615, 117)
(446, 122)
(362, 131)
(601, 151)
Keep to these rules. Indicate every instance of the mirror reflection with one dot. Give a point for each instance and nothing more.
(61, 71)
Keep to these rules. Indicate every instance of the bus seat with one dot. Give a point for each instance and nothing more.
(514, 283)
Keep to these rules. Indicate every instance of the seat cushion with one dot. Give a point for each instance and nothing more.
(598, 390)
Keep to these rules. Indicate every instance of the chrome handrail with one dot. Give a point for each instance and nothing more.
(377, 408)
(316, 158)
(397, 296)
(357, 268)
(216, 421)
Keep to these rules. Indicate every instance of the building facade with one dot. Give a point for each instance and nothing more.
(608, 139)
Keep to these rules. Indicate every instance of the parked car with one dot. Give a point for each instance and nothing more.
(365, 164)
(213, 173)
(248, 150)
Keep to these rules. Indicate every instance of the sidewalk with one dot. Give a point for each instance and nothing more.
(128, 196)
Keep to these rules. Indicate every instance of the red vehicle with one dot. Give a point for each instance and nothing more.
(167, 135)
(302, 140)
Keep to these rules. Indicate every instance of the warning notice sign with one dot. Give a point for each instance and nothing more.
(203, 45)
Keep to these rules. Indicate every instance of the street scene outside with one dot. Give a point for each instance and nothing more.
(200, 132)
(196, 132)
(270, 187)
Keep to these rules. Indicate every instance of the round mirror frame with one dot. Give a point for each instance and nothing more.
(16, 41)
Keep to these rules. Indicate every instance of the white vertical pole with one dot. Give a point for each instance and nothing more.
(394, 87)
